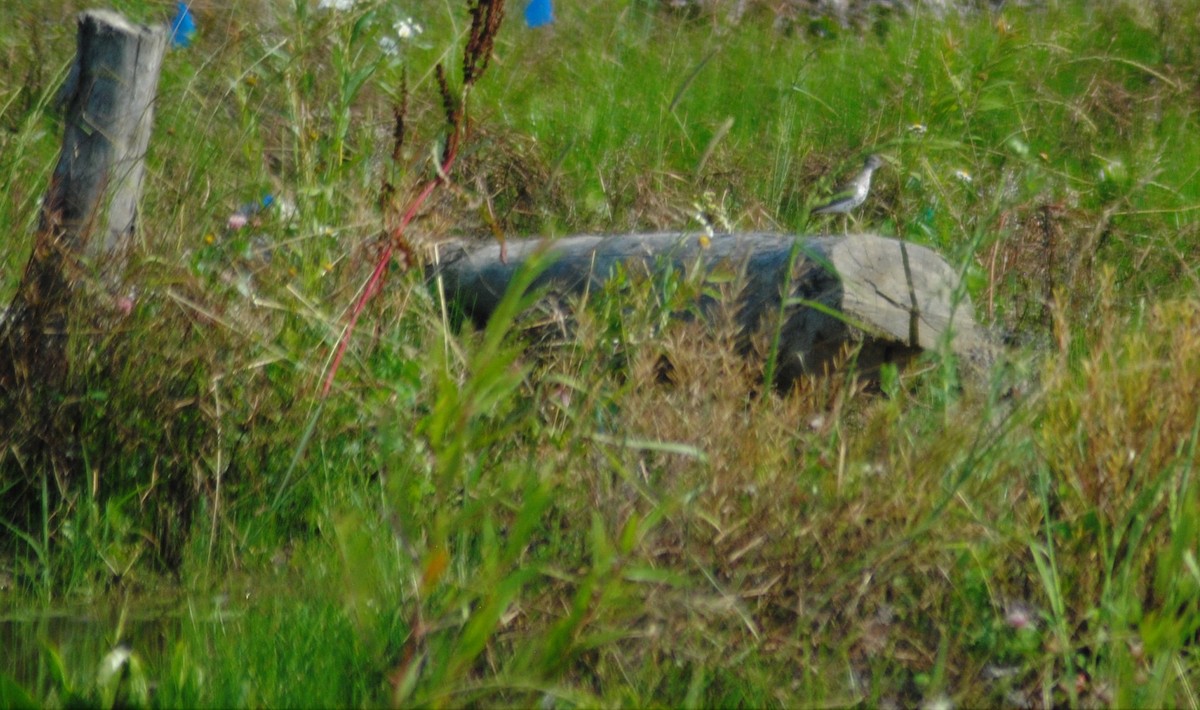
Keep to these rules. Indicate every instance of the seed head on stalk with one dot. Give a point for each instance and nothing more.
(486, 18)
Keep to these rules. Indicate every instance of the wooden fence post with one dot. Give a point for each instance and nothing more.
(87, 220)
(90, 208)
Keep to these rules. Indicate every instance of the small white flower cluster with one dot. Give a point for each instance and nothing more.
(405, 29)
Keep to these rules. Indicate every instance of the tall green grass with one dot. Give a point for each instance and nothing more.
(537, 513)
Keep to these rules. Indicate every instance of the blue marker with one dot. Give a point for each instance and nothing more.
(539, 13)
(183, 26)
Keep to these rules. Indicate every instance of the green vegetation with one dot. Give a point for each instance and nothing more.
(461, 522)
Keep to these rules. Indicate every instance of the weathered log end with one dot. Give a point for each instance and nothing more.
(907, 293)
(891, 299)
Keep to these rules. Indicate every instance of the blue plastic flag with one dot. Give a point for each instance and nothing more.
(538, 13)
(183, 26)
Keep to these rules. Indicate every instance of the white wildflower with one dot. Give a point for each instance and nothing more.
(405, 30)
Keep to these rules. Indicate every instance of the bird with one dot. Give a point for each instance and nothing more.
(853, 193)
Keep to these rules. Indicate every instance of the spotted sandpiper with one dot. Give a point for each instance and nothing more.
(853, 193)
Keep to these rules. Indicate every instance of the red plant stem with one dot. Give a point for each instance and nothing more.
(375, 282)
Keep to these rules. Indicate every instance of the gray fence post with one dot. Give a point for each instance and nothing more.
(80, 249)
(90, 209)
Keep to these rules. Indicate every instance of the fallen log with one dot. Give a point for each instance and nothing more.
(891, 299)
